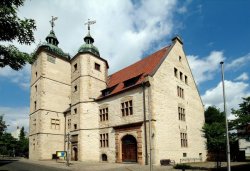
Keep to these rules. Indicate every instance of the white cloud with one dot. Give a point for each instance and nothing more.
(238, 62)
(15, 116)
(21, 77)
(182, 10)
(205, 68)
(234, 92)
(242, 77)
(123, 32)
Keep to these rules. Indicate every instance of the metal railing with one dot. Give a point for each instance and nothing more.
(189, 160)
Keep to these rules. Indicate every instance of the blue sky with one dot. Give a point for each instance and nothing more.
(127, 31)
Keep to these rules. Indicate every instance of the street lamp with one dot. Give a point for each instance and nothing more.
(224, 100)
(68, 141)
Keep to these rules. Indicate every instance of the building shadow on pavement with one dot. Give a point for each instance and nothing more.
(6, 161)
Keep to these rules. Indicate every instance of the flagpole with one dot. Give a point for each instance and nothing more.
(224, 100)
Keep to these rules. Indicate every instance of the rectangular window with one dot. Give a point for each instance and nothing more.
(176, 72)
(75, 67)
(75, 88)
(104, 114)
(75, 126)
(69, 123)
(181, 76)
(51, 59)
(36, 74)
(36, 88)
(34, 124)
(186, 79)
(104, 140)
(127, 108)
(179, 58)
(75, 111)
(184, 155)
(97, 66)
(35, 105)
(55, 124)
(180, 92)
(184, 142)
(181, 113)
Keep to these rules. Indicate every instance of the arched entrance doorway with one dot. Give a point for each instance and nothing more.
(129, 149)
(75, 154)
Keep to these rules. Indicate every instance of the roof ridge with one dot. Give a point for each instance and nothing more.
(139, 60)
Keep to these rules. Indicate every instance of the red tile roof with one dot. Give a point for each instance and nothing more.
(140, 69)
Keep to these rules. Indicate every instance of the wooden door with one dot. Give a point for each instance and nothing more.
(129, 149)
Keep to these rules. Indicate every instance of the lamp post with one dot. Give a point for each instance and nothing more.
(68, 139)
(224, 100)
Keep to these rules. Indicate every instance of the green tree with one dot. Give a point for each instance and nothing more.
(215, 133)
(7, 142)
(242, 120)
(3, 126)
(23, 148)
(13, 28)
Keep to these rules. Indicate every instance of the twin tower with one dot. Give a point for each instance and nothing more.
(61, 88)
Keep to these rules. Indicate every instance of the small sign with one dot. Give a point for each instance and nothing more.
(61, 153)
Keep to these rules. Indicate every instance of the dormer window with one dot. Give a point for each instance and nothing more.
(131, 81)
(108, 91)
(97, 66)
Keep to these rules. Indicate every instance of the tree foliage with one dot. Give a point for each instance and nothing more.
(214, 129)
(242, 115)
(13, 28)
(3, 126)
(23, 143)
(11, 146)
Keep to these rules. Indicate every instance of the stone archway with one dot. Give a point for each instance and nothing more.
(129, 149)
(75, 153)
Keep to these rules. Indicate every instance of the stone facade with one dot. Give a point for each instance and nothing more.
(68, 96)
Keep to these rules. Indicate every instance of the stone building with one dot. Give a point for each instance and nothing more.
(111, 117)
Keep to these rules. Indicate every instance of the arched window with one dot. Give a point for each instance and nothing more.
(104, 157)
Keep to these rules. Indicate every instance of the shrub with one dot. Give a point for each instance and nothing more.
(182, 166)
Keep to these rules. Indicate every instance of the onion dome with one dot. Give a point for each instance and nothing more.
(51, 45)
(88, 47)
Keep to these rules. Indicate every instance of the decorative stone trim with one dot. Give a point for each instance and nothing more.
(134, 130)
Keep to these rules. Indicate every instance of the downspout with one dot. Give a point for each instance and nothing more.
(144, 124)
(150, 129)
(64, 145)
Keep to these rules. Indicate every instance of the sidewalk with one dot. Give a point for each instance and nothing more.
(101, 166)
(96, 166)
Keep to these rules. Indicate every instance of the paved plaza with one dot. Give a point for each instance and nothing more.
(53, 165)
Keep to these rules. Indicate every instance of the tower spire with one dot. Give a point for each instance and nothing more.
(89, 23)
(88, 39)
(52, 22)
(51, 38)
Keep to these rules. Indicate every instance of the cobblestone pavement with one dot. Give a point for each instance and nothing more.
(99, 166)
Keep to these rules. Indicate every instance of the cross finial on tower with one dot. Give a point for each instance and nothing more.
(52, 21)
(90, 23)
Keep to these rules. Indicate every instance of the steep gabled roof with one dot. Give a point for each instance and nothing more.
(134, 74)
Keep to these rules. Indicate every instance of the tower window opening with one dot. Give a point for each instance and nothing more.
(75, 67)
(97, 66)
